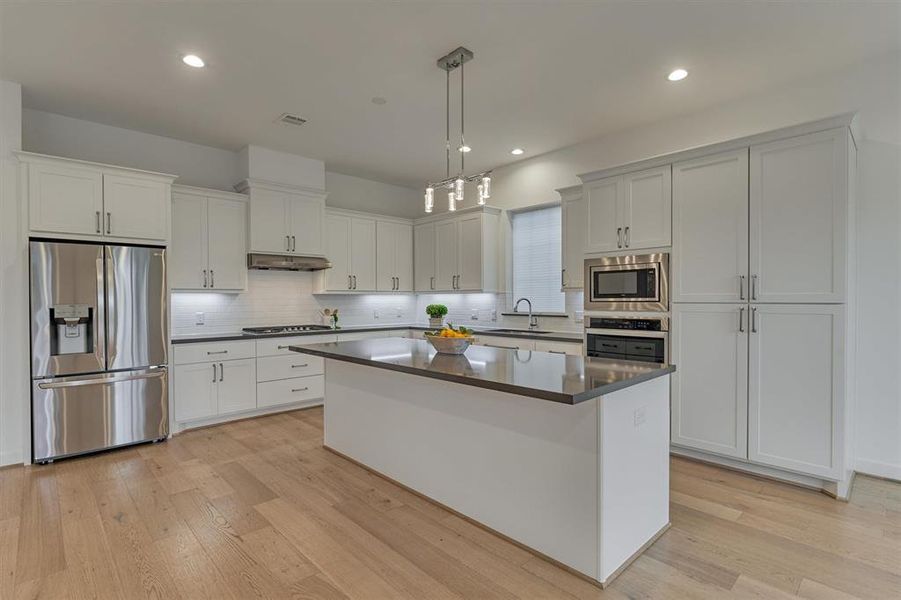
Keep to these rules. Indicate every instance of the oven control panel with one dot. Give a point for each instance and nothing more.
(635, 324)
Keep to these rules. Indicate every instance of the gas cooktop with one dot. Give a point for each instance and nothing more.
(278, 329)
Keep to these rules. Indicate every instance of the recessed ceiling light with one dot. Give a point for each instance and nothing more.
(517, 151)
(677, 75)
(192, 60)
(379, 100)
(464, 148)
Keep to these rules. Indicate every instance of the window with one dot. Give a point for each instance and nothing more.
(537, 258)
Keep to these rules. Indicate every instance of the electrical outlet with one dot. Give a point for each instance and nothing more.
(494, 315)
(580, 316)
(375, 314)
(199, 318)
(639, 417)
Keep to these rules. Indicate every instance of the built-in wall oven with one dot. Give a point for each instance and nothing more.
(627, 283)
(644, 339)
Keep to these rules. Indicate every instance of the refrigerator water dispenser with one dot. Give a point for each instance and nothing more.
(72, 329)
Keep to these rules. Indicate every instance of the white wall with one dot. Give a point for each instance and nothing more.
(347, 191)
(14, 362)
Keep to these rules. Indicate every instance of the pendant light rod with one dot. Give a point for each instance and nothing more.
(447, 121)
(462, 120)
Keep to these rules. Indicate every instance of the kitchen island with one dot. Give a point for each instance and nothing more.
(566, 455)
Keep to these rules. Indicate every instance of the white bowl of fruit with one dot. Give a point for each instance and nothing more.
(450, 340)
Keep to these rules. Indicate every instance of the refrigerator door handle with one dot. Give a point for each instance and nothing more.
(109, 306)
(107, 380)
(100, 317)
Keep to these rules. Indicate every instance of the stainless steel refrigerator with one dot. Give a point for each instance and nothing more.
(99, 347)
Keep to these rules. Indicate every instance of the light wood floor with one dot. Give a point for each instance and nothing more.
(258, 509)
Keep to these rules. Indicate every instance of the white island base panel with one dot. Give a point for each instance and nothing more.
(586, 485)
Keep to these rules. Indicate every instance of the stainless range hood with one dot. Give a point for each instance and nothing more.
(277, 262)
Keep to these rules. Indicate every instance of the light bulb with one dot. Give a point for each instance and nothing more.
(481, 189)
(192, 60)
(451, 202)
(429, 199)
(677, 75)
(458, 189)
(486, 186)
(464, 148)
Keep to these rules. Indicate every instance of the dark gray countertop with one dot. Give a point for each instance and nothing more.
(556, 336)
(555, 377)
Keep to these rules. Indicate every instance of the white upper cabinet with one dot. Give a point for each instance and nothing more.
(646, 214)
(136, 208)
(710, 229)
(208, 250)
(469, 245)
(337, 250)
(632, 211)
(602, 201)
(463, 248)
(394, 256)
(446, 248)
(573, 247)
(285, 220)
(710, 385)
(799, 218)
(72, 198)
(424, 247)
(797, 387)
(350, 245)
(362, 253)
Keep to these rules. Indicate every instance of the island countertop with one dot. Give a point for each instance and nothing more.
(555, 377)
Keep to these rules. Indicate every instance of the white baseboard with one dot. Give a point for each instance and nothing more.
(878, 469)
(257, 412)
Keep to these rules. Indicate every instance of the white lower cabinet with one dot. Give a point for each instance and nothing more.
(496, 341)
(290, 391)
(710, 385)
(796, 388)
(237, 380)
(556, 347)
(195, 391)
(761, 382)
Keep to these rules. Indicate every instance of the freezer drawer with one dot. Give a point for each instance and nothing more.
(75, 415)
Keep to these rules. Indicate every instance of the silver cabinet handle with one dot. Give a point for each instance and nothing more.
(109, 220)
(303, 389)
(355, 281)
(221, 371)
(556, 351)
(214, 372)
(432, 282)
(288, 243)
(619, 237)
(293, 244)
(753, 287)
(350, 282)
(754, 320)
(204, 278)
(627, 236)
(503, 347)
(396, 283)
(300, 366)
(563, 278)
(282, 347)
(97, 217)
(741, 287)
(741, 319)
(212, 279)
(217, 352)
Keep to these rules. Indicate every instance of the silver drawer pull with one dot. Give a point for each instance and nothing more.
(282, 347)
(556, 351)
(300, 366)
(303, 389)
(219, 352)
(503, 347)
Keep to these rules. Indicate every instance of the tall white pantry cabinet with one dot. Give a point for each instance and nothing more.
(761, 288)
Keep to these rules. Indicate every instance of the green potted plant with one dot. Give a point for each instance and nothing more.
(436, 314)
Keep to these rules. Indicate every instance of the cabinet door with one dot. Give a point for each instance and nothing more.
(796, 388)
(710, 385)
(799, 203)
(237, 385)
(269, 222)
(188, 249)
(136, 208)
(446, 239)
(65, 199)
(337, 250)
(424, 246)
(508, 343)
(306, 216)
(362, 253)
(554, 347)
(469, 244)
(647, 209)
(602, 200)
(195, 391)
(573, 218)
(404, 269)
(710, 228)
(386, 256)
(227, 220)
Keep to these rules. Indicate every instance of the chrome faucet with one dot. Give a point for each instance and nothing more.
(533, 320)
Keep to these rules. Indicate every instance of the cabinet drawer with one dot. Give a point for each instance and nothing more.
(648, 347)
(271, 368)
(288, 391)
(504, 342)
(279, 346)
(570, 348)
(212, 351)
(609, 345)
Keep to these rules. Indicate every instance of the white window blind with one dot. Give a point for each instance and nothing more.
(536, 259)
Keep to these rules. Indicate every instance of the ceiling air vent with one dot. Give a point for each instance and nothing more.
(291, 119)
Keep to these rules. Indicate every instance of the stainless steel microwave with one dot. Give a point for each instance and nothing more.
(627, 283)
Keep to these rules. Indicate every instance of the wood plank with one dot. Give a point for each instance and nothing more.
(9, 550)
(40, 551)
(90, 563)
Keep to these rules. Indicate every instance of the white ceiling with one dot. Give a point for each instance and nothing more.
(545, 74)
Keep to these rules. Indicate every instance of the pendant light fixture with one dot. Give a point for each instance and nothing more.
(456, 184)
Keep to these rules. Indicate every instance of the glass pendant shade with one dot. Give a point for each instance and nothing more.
(451, 202)
(481, 189)
(429, 199)
(486, 187)
(458, 189)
